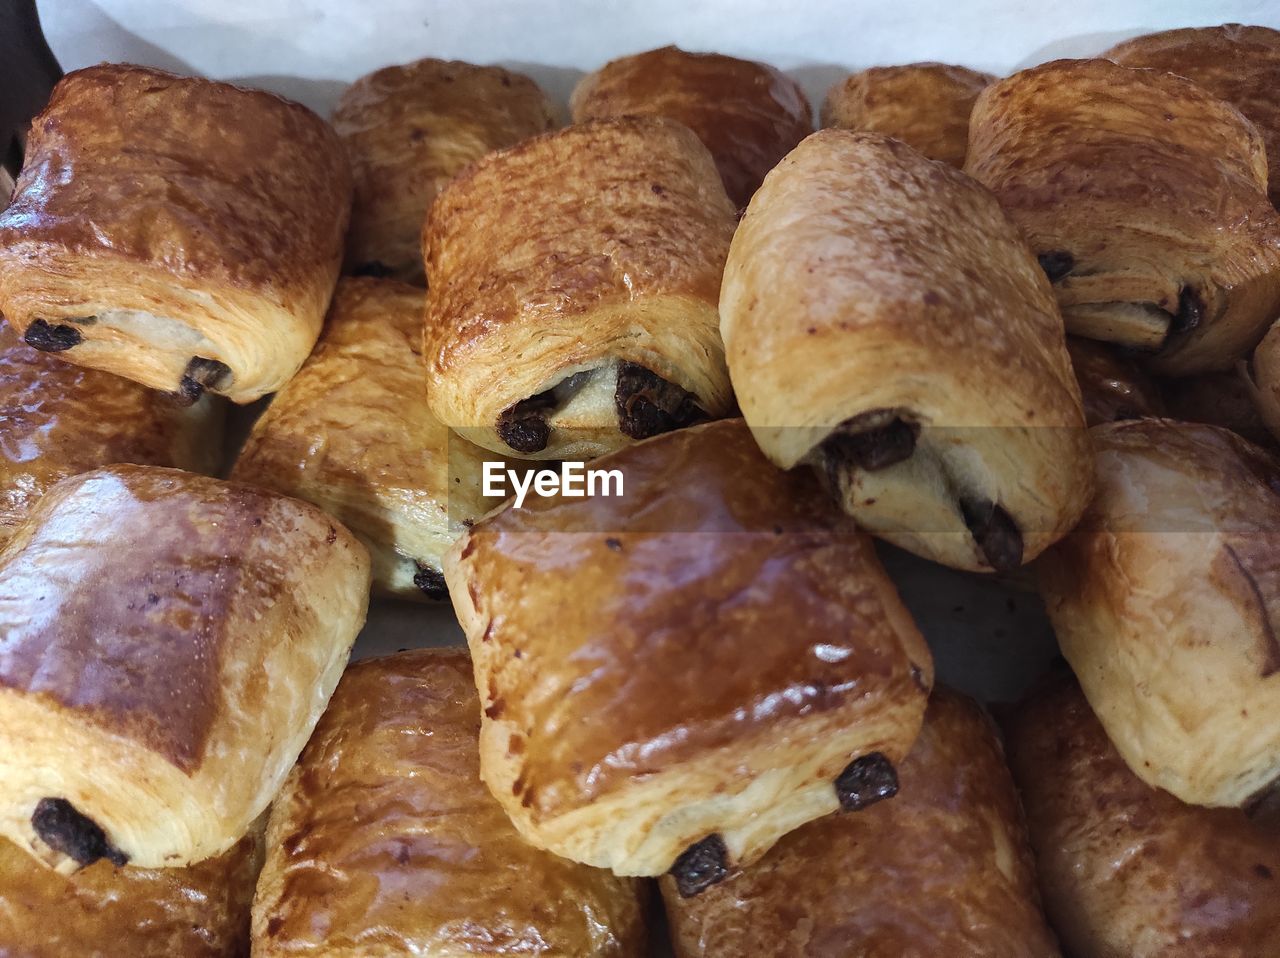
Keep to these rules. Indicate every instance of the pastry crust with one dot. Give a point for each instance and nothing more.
(1261, 375)
(1144, 198)
(1112, 387)
(749, 115)
(176, 231)
(384, 842)
(1164, 601)
(408, 129)
(677, 676)
(884, 322)
(1128, 871)
(170, 642)
(925, 105)
(562, 266)
(943, 869)
(353, 433)
(1227, 399)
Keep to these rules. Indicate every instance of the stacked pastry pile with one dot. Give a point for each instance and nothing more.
(919, 314)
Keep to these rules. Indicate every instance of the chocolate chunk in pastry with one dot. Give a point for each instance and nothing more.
(925, 105)
(353, 433)
(169, 642)
(1228, 399)
(1112, 386)
(942, 870)
(1165, 601)
(1145, 198)
(885, 324)
(1127, 869)
(574, 281)
(176, 231)
(748, 114)
(408, 129)
(675, 677)
(384, 841)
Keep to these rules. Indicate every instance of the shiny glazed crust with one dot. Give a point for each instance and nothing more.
(1112, 387)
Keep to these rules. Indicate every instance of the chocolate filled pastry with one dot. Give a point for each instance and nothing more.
(1127, 870)
(61, 420)
(1165, 601)
(352, 433)
(674, 678)
(943, 869)
(574, 281)
(1112, 386)
(1144, 198)
(748, 114)
(385, 842)
(885, 324)
(1227, 399)
(169, 642)
(408, 130)
(179, 232)
(925, 105)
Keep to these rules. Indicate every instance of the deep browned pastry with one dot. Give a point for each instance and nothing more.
(384, 842)
(1261, 375)
(748, 114)
(943, 870)
(1128, 871)
(1112, 386)
(1227, 399)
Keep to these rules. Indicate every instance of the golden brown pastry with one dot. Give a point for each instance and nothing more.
(352, 433)
(169, 642)
(748, 114)
(925, 105)
(408, 130)
(942, 870)
(176, 231)
(1239, 64)
(1128, 871)
(884, 322)
(1261, 376)
(1226, 399)
(1144, 199)
(1164, 601)
(1112, 386)
(574, 280)
(384, 842)
(675, 677)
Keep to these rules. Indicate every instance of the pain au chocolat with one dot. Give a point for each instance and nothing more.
(1164, 602)
(1144, 198)
(175, 231)
(1112, 386)
(408, 129)
(384, 842)
(674, 678)
(1229, 399)
(573, 286)
(169, 642)
(885, 323)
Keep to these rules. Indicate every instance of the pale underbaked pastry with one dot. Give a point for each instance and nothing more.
(175, 231)
(925, 105)
(574, 278)
(408, 130)
(748, 114)
(1126, 870)
(1164, 602)
(674, 678)
(384, 841)
(942, 870)
(1144, 198)
(1112, 386)
(884, 322)
(353, 433)
(169, 642)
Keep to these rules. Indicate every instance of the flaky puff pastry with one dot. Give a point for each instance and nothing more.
(175, 231)
(408, 130)
(353, 433)
(1164, 602)
(1112, 386)
(384, 841)
(942, 870)
(884, 322)
(1127, 870)
(675, 677)
(748, 114)
(925, 105)
(573, 287)
(169, 642)
(1144, 198)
